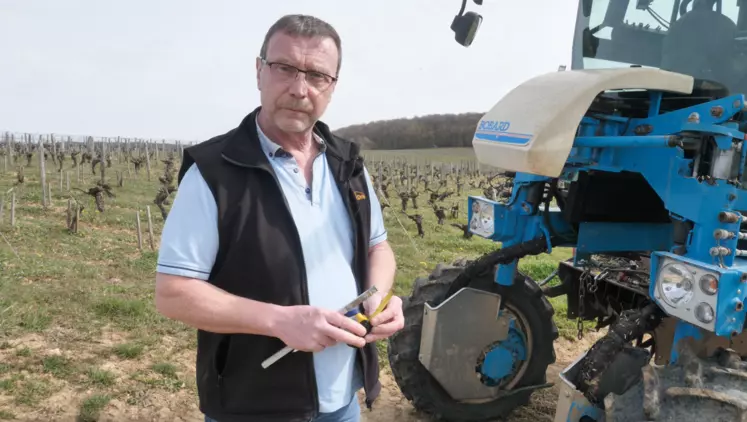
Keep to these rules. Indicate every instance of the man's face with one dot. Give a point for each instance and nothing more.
(294, 104)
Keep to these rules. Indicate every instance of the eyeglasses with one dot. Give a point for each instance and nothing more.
(314, 78)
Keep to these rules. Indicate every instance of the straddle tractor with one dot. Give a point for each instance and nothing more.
(634, 159)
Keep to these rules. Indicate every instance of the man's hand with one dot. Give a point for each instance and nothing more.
(388, 322)
(372, 303)
(311, 329)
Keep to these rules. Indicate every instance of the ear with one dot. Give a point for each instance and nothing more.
(258, 64)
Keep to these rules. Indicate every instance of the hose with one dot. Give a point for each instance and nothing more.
(487, 262)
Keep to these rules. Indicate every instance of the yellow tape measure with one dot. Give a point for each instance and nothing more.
(365, 320)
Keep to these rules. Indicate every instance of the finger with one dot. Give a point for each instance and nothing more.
(347, 324)
(386, 315)
(345, 336)
(389, 328)
(392, 310)
(376, 337)
(384, 331)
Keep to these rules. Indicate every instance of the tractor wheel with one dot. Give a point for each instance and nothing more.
(691, 390)
(533, 314)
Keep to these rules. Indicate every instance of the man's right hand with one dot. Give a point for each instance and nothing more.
(311, 329)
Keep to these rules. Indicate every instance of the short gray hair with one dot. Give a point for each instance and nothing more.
(303, 26)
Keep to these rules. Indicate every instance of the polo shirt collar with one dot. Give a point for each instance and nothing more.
(273, 150)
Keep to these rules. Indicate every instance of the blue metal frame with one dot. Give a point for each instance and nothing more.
(610, 143)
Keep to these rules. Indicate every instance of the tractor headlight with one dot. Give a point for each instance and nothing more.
(704, 313)
(676, 284)
(709, 284)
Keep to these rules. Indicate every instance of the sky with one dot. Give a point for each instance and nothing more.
(185, 69)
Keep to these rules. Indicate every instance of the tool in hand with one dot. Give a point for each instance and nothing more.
(347, 308)
(364, 320)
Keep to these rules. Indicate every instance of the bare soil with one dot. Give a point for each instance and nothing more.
(140, 390)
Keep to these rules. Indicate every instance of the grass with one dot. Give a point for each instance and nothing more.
(79, 334)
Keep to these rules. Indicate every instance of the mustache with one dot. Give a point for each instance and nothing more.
(298, 106)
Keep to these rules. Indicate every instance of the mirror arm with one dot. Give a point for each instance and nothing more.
(461, 10)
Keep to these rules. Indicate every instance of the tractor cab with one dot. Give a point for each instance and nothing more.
(705, 39)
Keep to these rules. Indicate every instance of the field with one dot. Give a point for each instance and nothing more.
(79, 335)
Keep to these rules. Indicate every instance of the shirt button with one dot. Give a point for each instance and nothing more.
(295, 170)
(308, 190)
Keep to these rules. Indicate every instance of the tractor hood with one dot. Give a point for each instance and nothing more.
(532, 129)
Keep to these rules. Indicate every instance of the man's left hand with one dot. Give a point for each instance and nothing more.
(388, 321)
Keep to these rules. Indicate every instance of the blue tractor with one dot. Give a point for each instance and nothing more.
(635, 159)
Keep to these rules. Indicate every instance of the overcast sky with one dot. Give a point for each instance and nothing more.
(184, 69)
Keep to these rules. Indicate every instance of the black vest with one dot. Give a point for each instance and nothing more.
(259, 257)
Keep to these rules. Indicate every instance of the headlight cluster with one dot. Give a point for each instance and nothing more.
(681, 285)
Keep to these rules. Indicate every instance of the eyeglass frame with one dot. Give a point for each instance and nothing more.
(269, 64)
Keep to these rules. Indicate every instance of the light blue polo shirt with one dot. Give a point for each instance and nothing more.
(189, 246)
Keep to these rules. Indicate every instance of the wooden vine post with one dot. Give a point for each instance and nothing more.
(139, 231)
(12, 209)
(42, 174)
(150, 229)
(103, 160)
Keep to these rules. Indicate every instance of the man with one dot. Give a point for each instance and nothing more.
(686, 49)
(275, 226)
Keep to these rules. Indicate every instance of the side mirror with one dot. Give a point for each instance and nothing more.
(465, 27)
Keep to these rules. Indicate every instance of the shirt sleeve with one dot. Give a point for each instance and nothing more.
(189, 240)
(378, 231)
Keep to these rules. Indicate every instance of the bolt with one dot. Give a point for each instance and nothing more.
(740, 306)
(728, 217)
(722, 234)
(720, 251)
(643, 129)
(717, 111)
(694, 117)
(744, 278)
(732, 197)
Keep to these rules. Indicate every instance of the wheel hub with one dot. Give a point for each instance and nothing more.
(501, 360)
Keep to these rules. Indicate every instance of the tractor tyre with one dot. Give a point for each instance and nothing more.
(691, 390)
(524, 297)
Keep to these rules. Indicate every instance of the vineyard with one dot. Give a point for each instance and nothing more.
(80, 224)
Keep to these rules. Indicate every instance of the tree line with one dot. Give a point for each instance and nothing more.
(431, 131)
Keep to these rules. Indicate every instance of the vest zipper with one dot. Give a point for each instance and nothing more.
(304, 287)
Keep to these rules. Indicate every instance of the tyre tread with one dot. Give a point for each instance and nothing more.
(416, 383)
